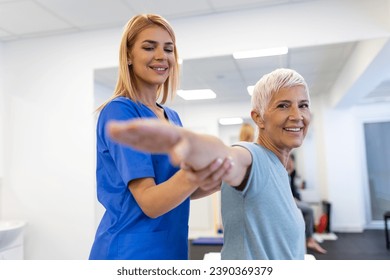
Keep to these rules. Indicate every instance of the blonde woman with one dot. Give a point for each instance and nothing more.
(247, 133)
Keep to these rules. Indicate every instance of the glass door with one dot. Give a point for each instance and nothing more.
(377, 140)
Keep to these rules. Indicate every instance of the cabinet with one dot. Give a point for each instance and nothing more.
(15, 253)
(11, 240)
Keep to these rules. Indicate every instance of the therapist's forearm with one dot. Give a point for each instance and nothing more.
(156, 200)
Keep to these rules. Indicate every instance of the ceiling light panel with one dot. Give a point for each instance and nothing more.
(260, 53)
(230, 121)
(197, 94)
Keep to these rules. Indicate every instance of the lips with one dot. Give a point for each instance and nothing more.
(293, 129)
(159, 67)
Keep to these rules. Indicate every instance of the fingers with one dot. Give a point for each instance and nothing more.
(185, 166)
(212, 175)
(223, 170)
(211, 187)
(204, 176)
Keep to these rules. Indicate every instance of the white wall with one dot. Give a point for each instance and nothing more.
(49, 134)
(49, 175)
(342, 158)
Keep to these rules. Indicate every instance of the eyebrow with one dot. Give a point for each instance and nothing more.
(155, 42)
(289, 101)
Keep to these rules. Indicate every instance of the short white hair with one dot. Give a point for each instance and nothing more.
(271, 83)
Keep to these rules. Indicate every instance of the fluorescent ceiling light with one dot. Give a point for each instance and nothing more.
(260, 53)
(250, 89)
(230, 121)
(197, 94)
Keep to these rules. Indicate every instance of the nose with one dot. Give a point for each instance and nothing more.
(295, 113)
(159, 54)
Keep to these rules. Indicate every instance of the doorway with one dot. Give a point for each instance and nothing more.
(377, 139)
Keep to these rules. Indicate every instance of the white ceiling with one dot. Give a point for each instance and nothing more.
(229, 78)
(320, 65)
(31, 18)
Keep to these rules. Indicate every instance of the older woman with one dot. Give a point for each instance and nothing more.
(260, 217)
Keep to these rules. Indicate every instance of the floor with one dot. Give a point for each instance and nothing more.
(368, 245)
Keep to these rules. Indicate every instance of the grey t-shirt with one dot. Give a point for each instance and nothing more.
(262, 222)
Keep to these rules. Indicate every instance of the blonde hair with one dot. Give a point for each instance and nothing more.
(271, 83)
(126, 85)
(247, 132)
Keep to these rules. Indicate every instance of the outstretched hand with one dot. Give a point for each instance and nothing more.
(149, 135)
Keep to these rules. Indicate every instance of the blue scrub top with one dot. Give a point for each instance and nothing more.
(125, 232)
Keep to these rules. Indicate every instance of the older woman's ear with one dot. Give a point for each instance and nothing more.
(257, 119)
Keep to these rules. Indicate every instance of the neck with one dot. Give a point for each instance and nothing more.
(147, 96)
(151, 105)
(282, 155)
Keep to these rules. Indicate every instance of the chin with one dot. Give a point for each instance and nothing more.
(296, 144)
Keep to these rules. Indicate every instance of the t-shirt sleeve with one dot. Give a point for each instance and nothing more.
(258, 173)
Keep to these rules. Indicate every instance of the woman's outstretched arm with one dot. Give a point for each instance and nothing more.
(183, 146)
